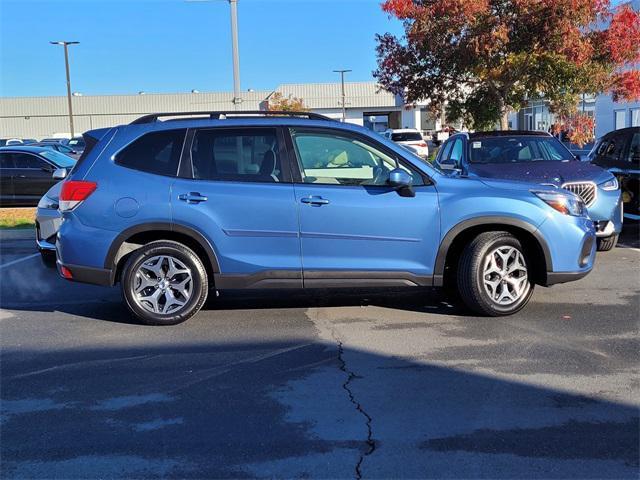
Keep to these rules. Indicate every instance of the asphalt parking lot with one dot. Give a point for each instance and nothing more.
(326, 386)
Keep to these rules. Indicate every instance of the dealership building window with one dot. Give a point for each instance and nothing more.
(620, 119)
(635, 117)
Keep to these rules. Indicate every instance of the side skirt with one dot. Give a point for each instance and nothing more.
(320, 279)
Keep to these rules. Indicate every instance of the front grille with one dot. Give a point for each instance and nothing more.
(585, 190)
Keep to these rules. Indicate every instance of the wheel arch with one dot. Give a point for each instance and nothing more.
(136, 236)
(462, 233)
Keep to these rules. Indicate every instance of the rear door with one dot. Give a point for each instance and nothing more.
(354, 228)
(235, 187)
(32, 178)
(7, 168)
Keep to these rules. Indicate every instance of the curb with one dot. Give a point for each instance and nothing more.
(18, 234)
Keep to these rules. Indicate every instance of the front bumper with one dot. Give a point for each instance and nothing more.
(606, 213)
(572, 246)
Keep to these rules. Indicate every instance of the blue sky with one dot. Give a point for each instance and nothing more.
(174, 46)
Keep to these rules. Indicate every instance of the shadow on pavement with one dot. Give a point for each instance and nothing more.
(292, 409)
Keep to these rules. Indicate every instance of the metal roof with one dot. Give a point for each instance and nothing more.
(314, 96)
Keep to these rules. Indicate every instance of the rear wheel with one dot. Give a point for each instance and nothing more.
(164, 283)
(607, 243)
(493, 276)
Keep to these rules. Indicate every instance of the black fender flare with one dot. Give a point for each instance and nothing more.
(497, 221)
(195, 235)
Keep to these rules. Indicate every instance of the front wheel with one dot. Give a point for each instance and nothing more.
(607, 243)
(493, 276)
(164, 283)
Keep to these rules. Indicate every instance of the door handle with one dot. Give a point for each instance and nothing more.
(314, 200)
(192, 197)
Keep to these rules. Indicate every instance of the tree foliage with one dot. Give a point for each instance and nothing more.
(484, 58)
(278, 102)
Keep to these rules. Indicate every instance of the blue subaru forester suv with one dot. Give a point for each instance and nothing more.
(173, 209)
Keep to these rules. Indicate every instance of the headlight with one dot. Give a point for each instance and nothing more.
(609, 185)
(48, 203)
(566, 203)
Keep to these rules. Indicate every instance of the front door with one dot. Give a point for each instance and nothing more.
(242, 199)
(354, 228)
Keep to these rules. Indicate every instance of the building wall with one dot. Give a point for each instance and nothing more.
(39, 117)
(606, 110)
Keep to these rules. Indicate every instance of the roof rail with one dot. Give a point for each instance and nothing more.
(232, 113)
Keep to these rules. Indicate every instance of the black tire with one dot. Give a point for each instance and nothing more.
(48, 258)
(470, 276)
(178, 251)
(607, 243)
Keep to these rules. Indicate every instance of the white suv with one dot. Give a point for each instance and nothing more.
(409, 137)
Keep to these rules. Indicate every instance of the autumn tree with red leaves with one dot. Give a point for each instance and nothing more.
(484, 58)
(278, 102)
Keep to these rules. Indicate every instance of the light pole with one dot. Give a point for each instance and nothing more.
(233, 4)
(344, 102)
(66, 66)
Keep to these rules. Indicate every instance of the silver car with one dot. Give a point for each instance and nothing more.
(48, 219)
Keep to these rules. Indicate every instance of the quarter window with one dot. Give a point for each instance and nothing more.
(156, 152)
(236, 155)
(327, 158)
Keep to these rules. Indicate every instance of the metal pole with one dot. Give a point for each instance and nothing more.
(66, 66)
(233, 4)
(344, 97)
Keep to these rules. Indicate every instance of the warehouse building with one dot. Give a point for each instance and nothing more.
(366, 104)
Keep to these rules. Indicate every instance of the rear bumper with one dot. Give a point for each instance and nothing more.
(80, 273)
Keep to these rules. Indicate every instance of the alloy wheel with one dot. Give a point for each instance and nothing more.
(505, 276)
(163, 284)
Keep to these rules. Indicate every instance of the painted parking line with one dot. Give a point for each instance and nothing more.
(13, 262)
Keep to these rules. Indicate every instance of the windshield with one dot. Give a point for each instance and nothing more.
(406, 137)
(76, 142)
(517, 149)
(60, 159)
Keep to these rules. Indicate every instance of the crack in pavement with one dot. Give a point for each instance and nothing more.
(371, 444)
(328, 331)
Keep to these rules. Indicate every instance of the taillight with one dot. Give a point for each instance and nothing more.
(74, 192)
(422, 144)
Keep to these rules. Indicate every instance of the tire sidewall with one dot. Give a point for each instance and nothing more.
(198, 280)
(489, 305)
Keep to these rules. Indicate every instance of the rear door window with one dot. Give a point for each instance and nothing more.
(155, 152)
(26, 160)
(246, 155)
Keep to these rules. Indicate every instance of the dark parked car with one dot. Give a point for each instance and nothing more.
(619, 152)
(76, 143)
(26, 173)
(59, 147)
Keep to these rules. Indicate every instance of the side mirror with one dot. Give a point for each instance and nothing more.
(402, 181)
(449, 167)
(60, 174)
